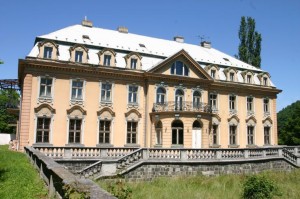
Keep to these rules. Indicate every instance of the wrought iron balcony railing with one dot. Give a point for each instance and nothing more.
(181, 106)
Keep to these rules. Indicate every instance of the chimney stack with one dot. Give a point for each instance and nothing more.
(87, 23)
(122, 29)
(206, 44)
(179, 39)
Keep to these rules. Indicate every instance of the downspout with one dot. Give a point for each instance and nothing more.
(146, 111)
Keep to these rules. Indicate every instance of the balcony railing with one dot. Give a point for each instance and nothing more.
(181, 106)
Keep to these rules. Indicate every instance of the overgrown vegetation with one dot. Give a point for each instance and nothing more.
(120, 190)
(18, 179)
(225, 186)
(288, 120)
(75, 191)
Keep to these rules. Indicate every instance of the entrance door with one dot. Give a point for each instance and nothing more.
(196, 138)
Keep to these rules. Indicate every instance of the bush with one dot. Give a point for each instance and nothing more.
(259, 187)
(120, 190)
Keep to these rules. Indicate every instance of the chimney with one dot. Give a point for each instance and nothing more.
(179, 39)
(122, 29)
(87, 23)
(206, 44)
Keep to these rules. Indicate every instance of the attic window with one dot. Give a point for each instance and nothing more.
(226, 59)
(85, 37)
(142, 45)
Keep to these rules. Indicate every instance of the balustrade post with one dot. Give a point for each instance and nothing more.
(145, 154)
(183, 154)
(296, 150)
(246, 153)
(264, 153)
(280, 152)
(219, 154)
(103, 153)
(298, 161)
(68, 153)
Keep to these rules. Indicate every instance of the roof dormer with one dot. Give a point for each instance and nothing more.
(107, 57)
(48, 50)
(133, 61)
(79, 54)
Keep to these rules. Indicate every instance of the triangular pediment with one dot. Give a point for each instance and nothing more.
(194, 69)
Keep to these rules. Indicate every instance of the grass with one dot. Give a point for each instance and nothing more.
(18, 178)
(225, 186)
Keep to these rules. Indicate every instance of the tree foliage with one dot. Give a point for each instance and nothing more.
(288, 120)
(8, 99)
(250, 42)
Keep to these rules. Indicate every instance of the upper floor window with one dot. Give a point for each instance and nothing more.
(179, 68)
(133, 63)
(106, 91)
(231, 77)
(196, 99)
(43, 129)
(107, 59)
(132, 94)
(213, 73)
(249, 79)
(77, 90)
(232, 103)
(48, 52)
(213, 101)
(266, 105)
(265, 81)
(249, 104)
(78, 56)
(160, 95)
(46, 87)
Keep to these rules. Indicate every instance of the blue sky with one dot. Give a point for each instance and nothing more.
(277, 20)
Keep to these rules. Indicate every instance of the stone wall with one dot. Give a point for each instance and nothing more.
(149, 171)
(75, 166)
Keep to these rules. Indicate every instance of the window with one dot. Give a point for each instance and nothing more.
(77, 87)
(249, 77)
(78, 56)
(177, 132)
(231, 77)
(197, 100)
(213, 73)
(131, 132)
(232, 135)
(106, 92)
(232, 102)
(43, 130)
(215, 134)
(48, 52)
(213, 101)
(249, 104)
(267, 135)
(179, 95)
(250, 135)
(179, 68)
(132, 94)
(160, 95)
(158, 130)
(107, 59)
(133, 63)
(265, 81)
(104, 131)
(74, 130)
(45, 87)
(266, 105)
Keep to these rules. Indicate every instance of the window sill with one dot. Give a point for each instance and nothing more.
(233, 146)
(267, 145)
(215, 146)
(42, 145)
(74, 145)
(132, 145)
(157, 146)
(177, 146)
(251, 146)
(104, 145)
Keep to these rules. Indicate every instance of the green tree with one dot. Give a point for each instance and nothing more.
(288, 120)
(8, 99)
(250, 42)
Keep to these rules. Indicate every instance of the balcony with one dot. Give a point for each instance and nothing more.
(172, 106)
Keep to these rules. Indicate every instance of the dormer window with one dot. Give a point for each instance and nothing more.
(265, 81)
(213, 74)
(213, 70)
(78, 56)
(107, 59)
(249, 78)
(230, 74)
(133, 63)
(264, 78)
(48, 52)
(179, 68)
(231, 77)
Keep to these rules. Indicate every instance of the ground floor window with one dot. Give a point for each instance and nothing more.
(43, 130)
(177, 132)
(104, 131)
(74, 130)
(232, 135)
(215, 134)
(250, 135)
(132, 132)
(266, 135)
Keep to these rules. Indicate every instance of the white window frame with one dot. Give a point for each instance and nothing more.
(83, 90)
(137, 94)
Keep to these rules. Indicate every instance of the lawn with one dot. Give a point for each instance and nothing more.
(18, 178)
(225, 186)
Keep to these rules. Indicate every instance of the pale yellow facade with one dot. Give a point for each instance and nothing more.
(76, 104)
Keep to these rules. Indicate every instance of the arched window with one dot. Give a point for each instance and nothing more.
(179, 96)
(197, 125)
(179, 68)
(177, 132)
(196, 100)
(160, 95)
(158, 130)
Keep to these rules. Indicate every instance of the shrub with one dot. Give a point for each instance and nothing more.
(120, 190)
(259, 187)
